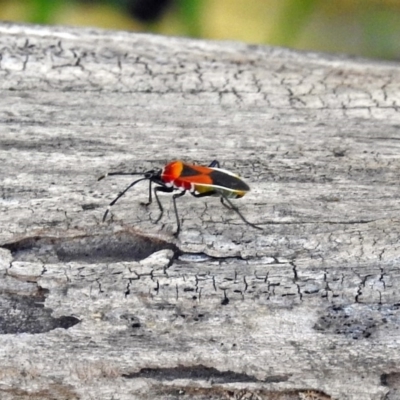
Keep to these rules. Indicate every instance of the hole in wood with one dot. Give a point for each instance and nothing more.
(91, 248)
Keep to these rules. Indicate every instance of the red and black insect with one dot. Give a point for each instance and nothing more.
(198, 180)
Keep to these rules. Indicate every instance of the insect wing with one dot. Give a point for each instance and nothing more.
(203, 179)
(227, 180)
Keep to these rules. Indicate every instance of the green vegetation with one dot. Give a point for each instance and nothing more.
(368, 28)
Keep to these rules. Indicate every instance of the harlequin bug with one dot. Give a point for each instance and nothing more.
(198, 180)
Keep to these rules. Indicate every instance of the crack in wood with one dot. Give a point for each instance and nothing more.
(200, 372)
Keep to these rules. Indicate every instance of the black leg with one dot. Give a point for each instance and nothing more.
(164, 190)
(150, 197)
(178, 223)
(213, 164)
(229, 207)
(234, 208)
(224, 204)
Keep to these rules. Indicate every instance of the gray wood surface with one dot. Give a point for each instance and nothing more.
(308, 308)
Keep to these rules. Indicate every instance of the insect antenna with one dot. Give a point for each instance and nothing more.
(119, 173)
(124, 191)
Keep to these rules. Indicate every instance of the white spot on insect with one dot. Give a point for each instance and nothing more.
(169, 184)
(177, 187)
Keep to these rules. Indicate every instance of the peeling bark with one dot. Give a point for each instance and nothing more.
(309, 308)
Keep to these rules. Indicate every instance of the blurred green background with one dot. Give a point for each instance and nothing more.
(369, 28)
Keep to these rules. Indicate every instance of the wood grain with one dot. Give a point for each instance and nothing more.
(309, 308)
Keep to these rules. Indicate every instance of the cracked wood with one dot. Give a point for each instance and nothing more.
(309, 308)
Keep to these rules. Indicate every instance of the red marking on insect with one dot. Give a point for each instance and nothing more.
(198, 180)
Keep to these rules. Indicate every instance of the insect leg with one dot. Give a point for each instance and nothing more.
(164, 190)
(226, 205)
(174, 197)
(150, 196)
(234, 208)
(213, 164)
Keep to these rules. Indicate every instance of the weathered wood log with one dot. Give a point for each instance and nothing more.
(306, 309)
